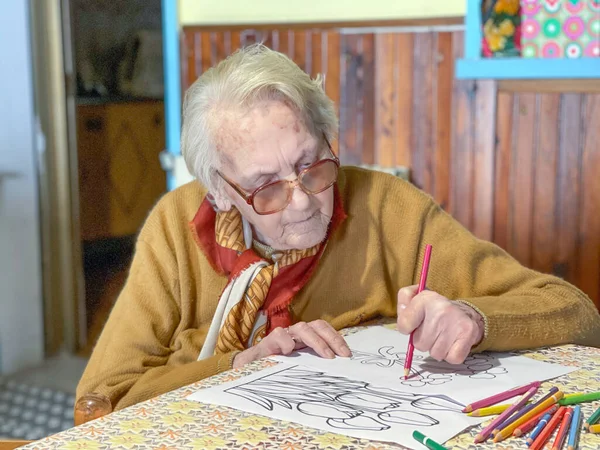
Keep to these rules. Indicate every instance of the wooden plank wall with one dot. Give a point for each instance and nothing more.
(519, 169)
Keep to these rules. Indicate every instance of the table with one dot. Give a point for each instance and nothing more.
(172, 422)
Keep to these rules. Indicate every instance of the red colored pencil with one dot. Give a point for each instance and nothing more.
(539, 442)
(559, 440)
(531, 423)
(422, 283)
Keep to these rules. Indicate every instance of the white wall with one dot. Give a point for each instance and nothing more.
(21, 325)
(211, 12)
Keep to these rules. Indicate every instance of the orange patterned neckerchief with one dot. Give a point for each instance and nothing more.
(239, 323)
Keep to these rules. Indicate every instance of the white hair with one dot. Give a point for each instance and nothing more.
(248, 76)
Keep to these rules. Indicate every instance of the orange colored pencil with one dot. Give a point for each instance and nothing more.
(530, 424)
(548, 429)
(565, 424)
(422, 283)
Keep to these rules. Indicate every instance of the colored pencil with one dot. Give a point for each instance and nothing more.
(563, 430)
(538, 428)
(594, 429)
(487, 431)
(573, 394)
(516, 414)
(531, 423)
(540, 406)
(427, 442)
(422, 283)
(497, 398)
(543, 437)
(575, 427)
(490, 410)
(592, 396)
(524, 411)
(592, 419)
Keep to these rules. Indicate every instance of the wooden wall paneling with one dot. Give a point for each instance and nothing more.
(569, 186)
(588, 273)
(205, 51)
(544, 190)
(367, 143)
(461, 198)
(422, 110)
(299, 55)
(483, 160)
(385, 100)
(403, 82)
(218, 44)
(188, 60)
(316, 55)
(236, 42)
(443, 123)
(332, 74)
(505, 111)
(350, 95)
(522, 179)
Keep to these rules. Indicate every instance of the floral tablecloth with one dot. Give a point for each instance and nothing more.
(172, 422)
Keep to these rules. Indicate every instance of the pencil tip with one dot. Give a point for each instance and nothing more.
(467, 409)
(406, 373)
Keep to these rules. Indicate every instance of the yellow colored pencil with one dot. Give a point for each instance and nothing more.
(508, 431)
(490, 410)
(594, 429)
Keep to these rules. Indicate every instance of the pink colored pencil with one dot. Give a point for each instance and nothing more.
(422, 283)
(487, 431)
(497, 398)
(516, 415)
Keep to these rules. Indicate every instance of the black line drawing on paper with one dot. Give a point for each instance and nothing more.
(341, 402)
(429, 372)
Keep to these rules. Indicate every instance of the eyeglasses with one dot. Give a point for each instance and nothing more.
(277, 195)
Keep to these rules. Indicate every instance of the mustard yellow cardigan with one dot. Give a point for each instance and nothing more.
(152, 339)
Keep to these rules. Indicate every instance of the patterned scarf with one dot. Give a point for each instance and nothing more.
(239, 324)
(260, 290)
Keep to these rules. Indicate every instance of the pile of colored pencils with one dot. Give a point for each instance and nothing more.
(536, 420)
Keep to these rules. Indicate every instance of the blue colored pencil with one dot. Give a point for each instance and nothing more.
(575, 428)
(538, 428)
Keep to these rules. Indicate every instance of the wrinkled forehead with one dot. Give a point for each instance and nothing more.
(257, 135)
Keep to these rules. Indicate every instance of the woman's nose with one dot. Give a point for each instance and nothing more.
(300, 199)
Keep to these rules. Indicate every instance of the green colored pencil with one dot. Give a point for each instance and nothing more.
(575, 399)
(427, 442)
(592, 419)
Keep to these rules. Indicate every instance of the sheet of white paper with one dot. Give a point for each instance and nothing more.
(378, 357)
(340, 405)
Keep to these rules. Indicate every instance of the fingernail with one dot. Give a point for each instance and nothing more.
(346, 352)
(329, 354)
(402, 306)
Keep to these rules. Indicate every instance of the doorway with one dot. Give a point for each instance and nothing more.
(119, 122)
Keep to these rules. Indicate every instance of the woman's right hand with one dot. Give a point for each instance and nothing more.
(318, 335)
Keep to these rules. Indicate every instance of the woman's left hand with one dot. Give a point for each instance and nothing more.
(446, 329)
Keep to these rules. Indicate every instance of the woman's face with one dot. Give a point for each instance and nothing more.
(268, 143)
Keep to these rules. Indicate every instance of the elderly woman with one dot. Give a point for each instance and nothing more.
(277, 247)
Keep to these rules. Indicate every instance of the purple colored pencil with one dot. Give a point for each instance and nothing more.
(524, 411)
(497, 398)
(487, 431)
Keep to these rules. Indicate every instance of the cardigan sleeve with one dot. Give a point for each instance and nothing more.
(137, 357)
(522, 308)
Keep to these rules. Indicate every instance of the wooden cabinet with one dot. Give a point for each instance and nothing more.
(120, 177)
